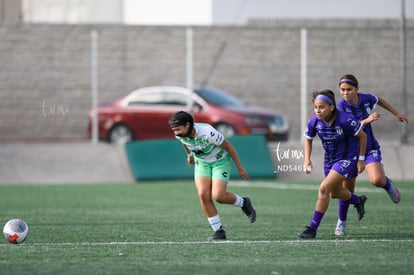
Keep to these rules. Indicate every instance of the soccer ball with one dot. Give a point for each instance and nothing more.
(15, 231)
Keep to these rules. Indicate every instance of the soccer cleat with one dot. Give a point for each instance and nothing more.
(340, 228)
(248, 209)
(219, 235)
(394, 193)
(360, 207)
(309, 233)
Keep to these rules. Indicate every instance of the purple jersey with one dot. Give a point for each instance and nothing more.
(366, 103)
(339, 140)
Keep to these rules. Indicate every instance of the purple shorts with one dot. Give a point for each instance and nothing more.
(347, 168)
(373, 156)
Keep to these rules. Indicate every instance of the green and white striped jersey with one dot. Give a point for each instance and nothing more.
(206, 143)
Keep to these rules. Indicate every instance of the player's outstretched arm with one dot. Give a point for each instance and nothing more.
(232, 152)
(384, 104)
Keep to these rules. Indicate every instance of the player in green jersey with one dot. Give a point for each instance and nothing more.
(212, 154)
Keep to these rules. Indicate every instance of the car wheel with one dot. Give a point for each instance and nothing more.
(120, 134)
(225, 129)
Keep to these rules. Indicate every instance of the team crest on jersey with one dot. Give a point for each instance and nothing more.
(202, 142)
(345, 164)
(339, 130)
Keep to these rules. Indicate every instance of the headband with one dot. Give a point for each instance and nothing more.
(324, 98)
(347, 80)
(177, 123)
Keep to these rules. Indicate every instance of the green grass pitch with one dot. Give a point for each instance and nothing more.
(159, 228)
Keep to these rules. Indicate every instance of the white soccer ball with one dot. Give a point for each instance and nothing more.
(15, 231)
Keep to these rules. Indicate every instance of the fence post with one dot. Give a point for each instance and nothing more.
(303, 79)
(94, 85)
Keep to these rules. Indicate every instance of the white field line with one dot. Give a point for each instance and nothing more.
(337, 241)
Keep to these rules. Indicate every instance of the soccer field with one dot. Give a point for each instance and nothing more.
(159, 228)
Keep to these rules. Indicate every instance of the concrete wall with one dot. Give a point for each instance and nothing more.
(63, 163)
(45, 78)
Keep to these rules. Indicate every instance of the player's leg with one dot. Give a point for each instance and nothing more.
(204, 186)
(220, 194)
(343, 207)
(221, 176)
(348, 170)
(331, 186)
(325, 190)
(376, 176)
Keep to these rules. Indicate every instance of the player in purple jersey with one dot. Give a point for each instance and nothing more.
(360, 105)
(343, 141)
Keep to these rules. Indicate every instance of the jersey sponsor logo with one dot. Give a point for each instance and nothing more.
(198, 152)
(374, 153)
(330, 137)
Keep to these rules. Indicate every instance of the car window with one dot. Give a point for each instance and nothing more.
(219, 98)
(173, 98)
(158, 98)
(145, 99)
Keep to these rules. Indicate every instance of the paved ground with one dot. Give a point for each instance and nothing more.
(103, 163)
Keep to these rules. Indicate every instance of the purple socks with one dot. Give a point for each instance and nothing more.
(316, 219)
(343, 207)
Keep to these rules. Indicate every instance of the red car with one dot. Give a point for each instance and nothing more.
(144, 113)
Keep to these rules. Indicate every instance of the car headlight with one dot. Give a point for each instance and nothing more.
(277, 121)
(278, 124)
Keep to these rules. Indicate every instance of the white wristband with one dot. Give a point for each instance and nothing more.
(361, 158)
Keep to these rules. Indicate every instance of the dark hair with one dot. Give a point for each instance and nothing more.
(329, 96)
(327, 93)
(180, 119)
(350, 79)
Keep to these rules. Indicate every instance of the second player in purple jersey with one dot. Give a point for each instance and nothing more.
(361, 106)
(361, 110)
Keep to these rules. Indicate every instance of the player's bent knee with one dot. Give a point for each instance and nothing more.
(378, 182)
